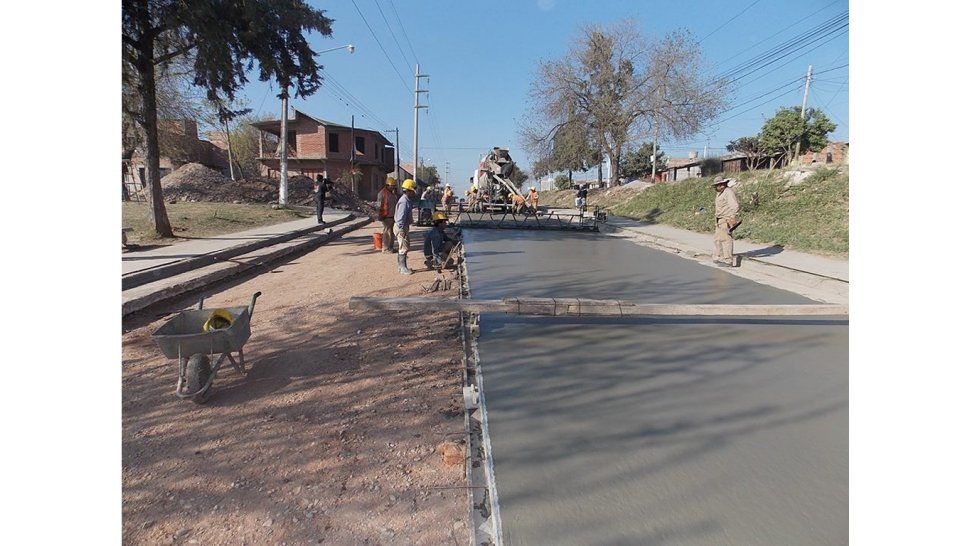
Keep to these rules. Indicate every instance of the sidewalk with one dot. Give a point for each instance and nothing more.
(140, 260)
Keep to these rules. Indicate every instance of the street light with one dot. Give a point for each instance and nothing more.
(284, 169)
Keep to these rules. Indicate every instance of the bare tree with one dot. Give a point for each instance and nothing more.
(614, 86)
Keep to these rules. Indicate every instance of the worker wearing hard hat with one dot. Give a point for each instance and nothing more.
(726, 210)
(437, 243)
(473, 200)
(447, 198)
(533, 199)
(402, 224)
(386, 202)
(518, 203)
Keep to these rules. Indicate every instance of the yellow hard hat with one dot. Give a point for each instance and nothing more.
(218, 320)
(409, 185)
(391, 181)
(438, 215)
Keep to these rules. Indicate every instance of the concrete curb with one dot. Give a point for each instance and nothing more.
(811, 285)
(145, 295)
(139, 278)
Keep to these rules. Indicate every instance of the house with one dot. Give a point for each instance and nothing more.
(834, 152)
(682, 168)
(179, 143)
(317, 146)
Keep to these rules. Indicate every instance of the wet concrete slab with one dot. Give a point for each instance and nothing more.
(657, 431)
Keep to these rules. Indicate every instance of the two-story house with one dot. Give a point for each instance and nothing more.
(316, 146)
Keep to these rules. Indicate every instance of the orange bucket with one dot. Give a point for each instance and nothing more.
(378, 241)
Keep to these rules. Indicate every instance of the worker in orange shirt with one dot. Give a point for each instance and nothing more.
(386, 201)
(533, 199)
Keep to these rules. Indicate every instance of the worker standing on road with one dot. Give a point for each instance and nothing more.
(386, 203)
(402, 224)
(533, 199)
(473, 200)
(581, 193)
(320, 188)
(726, 210)
(437, 243)
(447, 198)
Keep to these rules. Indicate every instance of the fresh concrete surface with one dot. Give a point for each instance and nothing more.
(139, 260)
(677, 431)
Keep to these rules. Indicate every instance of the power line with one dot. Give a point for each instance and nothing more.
(380, 45)
(391, 32)
(756, 44)
(728, 21)
(793, 59)
(404, 31)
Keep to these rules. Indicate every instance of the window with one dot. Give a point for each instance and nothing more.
(359, 144)
(828, 157)
(334, 144)
(291, 141)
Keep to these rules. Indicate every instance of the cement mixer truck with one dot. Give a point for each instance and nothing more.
(493, 179)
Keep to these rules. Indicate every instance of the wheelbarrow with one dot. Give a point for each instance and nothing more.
(185, 338)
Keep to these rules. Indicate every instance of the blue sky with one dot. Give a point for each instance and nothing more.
(482, 56)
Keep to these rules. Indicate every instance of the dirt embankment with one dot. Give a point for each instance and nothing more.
(330, 439)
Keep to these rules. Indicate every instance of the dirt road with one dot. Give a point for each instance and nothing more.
(331, 437)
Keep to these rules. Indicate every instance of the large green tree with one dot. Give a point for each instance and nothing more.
(783, 132)
(428, 174)
(226, 39)
(639, 162)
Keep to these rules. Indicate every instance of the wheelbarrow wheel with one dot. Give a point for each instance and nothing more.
(197, 372)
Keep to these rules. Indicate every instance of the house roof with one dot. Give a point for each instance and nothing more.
(273, 125)
(680, 162)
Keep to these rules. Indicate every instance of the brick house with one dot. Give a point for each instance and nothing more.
(834, 152)
(316, 146)
(180, 144)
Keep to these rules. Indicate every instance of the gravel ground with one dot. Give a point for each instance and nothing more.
(330, 439)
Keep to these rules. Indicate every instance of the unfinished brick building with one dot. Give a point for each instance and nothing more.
(316, 146)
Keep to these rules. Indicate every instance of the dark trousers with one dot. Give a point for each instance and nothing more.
(319, 206)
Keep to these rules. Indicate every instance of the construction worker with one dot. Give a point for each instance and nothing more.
(473, 200)
(402, 224)
(581, 193)
(533, 199)
(447, 198)
(726, 210)
(320, 188)
(518, 203)
(437, 243)
(386, 203)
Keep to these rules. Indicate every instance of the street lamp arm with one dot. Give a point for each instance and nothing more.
(349, 47)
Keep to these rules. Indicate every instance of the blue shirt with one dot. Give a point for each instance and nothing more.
(434, 243)
(402, 212)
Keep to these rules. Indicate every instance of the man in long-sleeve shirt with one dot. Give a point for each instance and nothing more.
(437, 243)
(386, 207)
(726, 210)
(402, 224)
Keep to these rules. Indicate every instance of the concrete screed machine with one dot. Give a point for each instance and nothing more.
(493, 178)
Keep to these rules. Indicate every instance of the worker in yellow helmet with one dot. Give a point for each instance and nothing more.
(386, 202)
(403, 214)
(437, 243)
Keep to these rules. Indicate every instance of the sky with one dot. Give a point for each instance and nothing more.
(481, 58)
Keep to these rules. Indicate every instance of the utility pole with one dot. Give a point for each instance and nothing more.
(447, 171)
(808, 82)
(417, 107)
(284, 143)
(353, 157)
(653, 160)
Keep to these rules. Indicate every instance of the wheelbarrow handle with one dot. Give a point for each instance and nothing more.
(252, 304)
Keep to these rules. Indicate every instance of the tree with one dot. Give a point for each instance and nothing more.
(782, 133)
(518, 176)
(750, 147)
(572, 149)
(618, 85)
(428, 174)
(562, 182)
(227, 38)
(638, 163)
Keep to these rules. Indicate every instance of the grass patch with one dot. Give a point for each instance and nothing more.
(813, 215)
(202, 219)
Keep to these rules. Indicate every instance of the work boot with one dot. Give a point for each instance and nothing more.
(402, 265)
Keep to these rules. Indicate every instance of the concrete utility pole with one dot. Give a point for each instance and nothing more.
(417, 107)
(353, 157)
(447, 170)
(808, 82)
(284, 190)
(653, 160)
